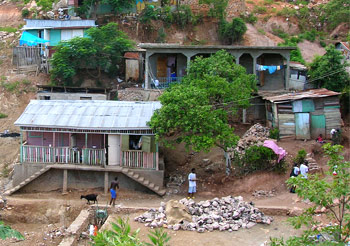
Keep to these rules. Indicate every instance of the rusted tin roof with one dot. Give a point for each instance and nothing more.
(315, 93)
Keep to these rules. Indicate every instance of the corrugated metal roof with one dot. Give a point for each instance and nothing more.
(93, 115)
(40, 24)
(301, 95)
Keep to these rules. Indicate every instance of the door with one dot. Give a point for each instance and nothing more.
(318, 126)
(302, 125)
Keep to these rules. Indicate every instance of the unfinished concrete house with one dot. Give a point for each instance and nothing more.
(68, 144)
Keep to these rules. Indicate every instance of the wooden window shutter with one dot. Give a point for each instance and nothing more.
(125, 143)
(148, 144)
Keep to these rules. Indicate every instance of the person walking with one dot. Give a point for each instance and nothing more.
(113, 190)
(192, 183)
(295, 172)
(304, 169)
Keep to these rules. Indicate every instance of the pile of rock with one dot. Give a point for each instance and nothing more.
(256, 135)
(55, 233)
(5, 35)
(225, 214)
(264, 193)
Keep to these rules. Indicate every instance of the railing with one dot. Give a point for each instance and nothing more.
(140, 159)
(95, 157)
(165, 82)
(45, 154)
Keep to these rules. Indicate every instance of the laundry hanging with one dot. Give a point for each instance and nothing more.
(271, 69)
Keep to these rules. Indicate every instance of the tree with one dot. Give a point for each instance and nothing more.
(328, 71)
(232, 32)
(8, 232)
(197, 110)
(336, 12)
(332, 193)
(217, 7)
(102, 50)
(118, 5)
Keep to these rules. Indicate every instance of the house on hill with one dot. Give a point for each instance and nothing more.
(83, 144)
(304, 115)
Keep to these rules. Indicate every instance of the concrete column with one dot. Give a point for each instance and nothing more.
(21, 149)
(254, 63)
(188, 60)
(106, 183)
(244, 116)
(147, 72)
(287, 76)
(114, 150)
(65, 181)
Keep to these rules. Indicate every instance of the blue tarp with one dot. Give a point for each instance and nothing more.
(31, 40)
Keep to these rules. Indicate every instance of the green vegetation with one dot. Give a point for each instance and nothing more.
(17, 86)
(260, 9)
(8, 232)
(101, 51)
(254, 159)
(250, 18)
(268, 2)
(287, 12)
(328, 71)
(274, 133)
(280, 33)
(232, 32)
(330, 192)
(119, 6)
(121, 235)
(25, 13)
(217, 8)
(335, 12)
(8, 29)
(196, 112)
(161, 35)
(46, 5)
(295, 55)
(2, 115)
(300, 158)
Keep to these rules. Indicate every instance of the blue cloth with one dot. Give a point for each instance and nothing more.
(31, 40)
(113, 193)
(192, 189)
(272, 69)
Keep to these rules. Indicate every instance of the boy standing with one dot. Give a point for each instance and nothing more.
(113, 190)
(192, 183)
(304, 169)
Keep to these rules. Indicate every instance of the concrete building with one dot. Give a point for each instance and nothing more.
(46, 92)
(163, 60)
(304, 115)
(82, 144)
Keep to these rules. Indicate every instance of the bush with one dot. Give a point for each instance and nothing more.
(254, 159)
(300, 158)
(182, 16)
(231, 32)
(275, 133)
(8, 29)
(287, 12)
(260, 9)
(3, 115)
(280, 33)
(148, 13)
(25, 13)
(250, 18)
(323, 44)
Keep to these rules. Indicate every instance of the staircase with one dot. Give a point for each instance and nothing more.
(313, 166)
(27, 181)
(145, 182)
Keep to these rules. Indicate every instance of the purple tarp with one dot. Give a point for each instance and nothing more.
(278, 150)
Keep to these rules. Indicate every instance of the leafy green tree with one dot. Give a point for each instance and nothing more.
(217, 7)
(119, 6)
(336, 12)
(8, 232)
(121, 235)
(332, 193)
(232, 32)
(101, 51)
(328, 71)
(197, 110)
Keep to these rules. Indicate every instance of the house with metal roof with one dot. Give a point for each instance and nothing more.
(304, 115)
(103, 137)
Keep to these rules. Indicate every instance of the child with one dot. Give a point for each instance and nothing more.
(294, 173)
(320, 139)
(192, 183)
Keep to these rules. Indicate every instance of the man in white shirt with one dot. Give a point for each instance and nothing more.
(304, 169)
(192, 183)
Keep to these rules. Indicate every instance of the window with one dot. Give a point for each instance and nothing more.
(44, 97)
(85, 98)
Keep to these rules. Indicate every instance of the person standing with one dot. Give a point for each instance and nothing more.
(304, 169)
(294, 173)
(192, 183)
(113, 190)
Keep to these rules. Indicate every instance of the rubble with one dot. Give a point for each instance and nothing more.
(256, 135)
(263, 193)
(225, 214)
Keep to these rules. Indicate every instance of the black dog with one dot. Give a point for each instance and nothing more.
(90, 197)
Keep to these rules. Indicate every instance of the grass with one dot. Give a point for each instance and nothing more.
(17, 86)
(261, 31)
(5, 171)
(260, 9)
(268, 2)
(8, 29)
(2, 115)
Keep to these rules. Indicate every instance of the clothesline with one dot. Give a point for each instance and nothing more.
(271, 69)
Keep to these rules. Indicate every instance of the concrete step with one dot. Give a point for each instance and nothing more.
(151, 185)
(156, 188)
(130, 173)
(146, 182)
(162, 192)
(141, 179)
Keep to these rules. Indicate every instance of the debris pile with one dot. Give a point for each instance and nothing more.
(225, 214)
(55, 233)
(264, 193)
(256, 135)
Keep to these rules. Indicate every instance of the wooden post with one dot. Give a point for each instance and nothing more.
(21, 149)
(106, 183)
(65, 181)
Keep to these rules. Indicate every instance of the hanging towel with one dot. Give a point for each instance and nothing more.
(272, 69)
(278, 68)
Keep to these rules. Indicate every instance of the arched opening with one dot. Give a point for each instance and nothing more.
(271, 72)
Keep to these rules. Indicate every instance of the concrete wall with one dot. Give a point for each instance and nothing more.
(276, 80)
(70, 96)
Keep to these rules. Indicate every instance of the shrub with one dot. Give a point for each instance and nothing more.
(250, 18)
(300, 158)
(182, 16)
(25, 13)
(254, 159)
(161, 36)
(8, 29)
(275, 133)
(231, 32)
(260, 9)
(280, 33)
(148, 13)
(287, 12)
(3, 115)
